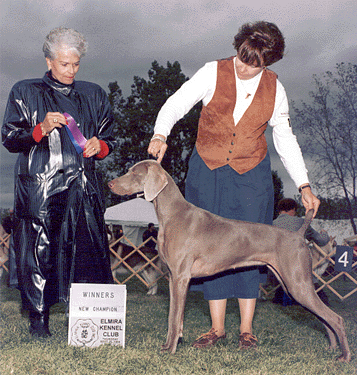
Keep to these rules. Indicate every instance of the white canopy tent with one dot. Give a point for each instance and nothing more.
(134, 216)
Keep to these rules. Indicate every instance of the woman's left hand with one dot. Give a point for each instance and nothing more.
(92, 147)
(309, 200)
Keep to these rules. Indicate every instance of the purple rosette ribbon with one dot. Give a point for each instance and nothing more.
(77, 138)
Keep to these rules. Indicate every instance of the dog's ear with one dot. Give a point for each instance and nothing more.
(154, 182)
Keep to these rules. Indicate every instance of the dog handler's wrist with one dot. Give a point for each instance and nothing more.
(104, 150)
(304, 187)
(159, 137)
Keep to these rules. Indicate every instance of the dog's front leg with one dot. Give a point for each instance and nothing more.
(178, 293)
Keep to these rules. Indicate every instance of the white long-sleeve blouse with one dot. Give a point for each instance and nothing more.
(202, 87)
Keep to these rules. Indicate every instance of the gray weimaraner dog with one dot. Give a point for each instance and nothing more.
(196, 243)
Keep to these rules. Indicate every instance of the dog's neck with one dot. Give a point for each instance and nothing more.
(166, 201)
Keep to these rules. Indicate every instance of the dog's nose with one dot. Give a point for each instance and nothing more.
(110, 184)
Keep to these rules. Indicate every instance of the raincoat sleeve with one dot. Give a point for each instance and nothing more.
(18, 125)
(105, 122)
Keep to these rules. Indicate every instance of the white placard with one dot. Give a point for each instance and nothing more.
(97, 315)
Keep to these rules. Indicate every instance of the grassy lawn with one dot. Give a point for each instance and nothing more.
(291, 341)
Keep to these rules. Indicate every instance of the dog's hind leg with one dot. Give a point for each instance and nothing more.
(150, 276)
(331, 335)
(304, 293)
(334, 323)
(178, 293)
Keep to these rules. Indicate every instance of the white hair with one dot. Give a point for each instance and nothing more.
(62, 37)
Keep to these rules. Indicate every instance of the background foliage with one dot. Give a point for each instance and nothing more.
(329, 125)
(135, 117)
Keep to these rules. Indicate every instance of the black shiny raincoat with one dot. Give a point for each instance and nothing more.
(59, 232)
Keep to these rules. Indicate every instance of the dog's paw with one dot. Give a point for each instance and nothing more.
(168, 348)
(343, 358)
(152, 291)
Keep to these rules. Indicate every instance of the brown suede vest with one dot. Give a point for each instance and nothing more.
(219, 141)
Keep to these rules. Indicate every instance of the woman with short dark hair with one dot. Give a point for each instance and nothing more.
(229, 170)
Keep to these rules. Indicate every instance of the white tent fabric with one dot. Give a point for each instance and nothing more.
(138, 212)
(134, 216)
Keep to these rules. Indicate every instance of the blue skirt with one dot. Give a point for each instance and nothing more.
(248, 197)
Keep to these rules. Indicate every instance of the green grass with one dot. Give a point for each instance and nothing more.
(291, 341)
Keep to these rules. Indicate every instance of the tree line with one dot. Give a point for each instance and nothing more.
(328, 124)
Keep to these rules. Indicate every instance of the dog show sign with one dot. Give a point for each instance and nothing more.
(97, 315)
(344, 259)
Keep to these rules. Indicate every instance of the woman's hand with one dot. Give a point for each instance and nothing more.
(92, 147)
(309, 200)
(157, 148)
(51, 121)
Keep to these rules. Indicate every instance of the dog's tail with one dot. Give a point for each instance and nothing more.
(307, 222)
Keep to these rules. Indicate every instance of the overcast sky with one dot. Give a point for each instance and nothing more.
(125, 37)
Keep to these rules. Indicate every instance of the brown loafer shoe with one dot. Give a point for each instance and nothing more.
(247, 341)
(207, 339)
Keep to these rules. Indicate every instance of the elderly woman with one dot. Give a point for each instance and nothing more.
(229, 170)
(60, 128)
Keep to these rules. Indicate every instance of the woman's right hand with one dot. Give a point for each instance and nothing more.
(157, 148)
(53, 120)
(309, 200)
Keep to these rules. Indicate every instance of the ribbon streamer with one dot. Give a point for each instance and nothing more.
(75, 134)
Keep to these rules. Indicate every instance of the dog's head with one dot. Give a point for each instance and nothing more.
(147, 176)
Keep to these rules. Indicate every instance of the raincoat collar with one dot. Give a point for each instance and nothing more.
(57, 85)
